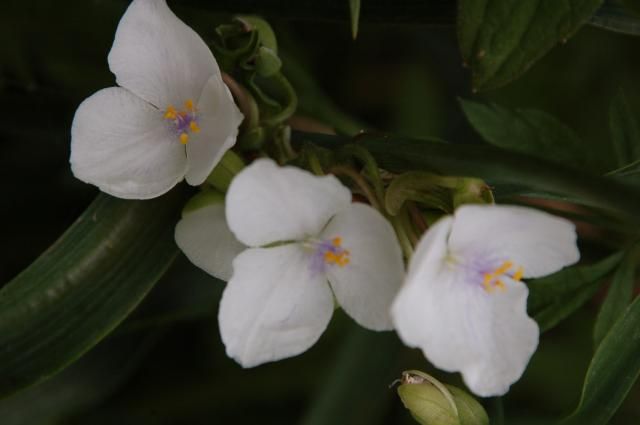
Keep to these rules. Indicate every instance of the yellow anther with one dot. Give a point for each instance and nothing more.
(337, 241)
(189, 105)
(517, 276)
(500, 284)
(503, 268)
(194, 127)
(184, 138)
(488, 277)
(171, 113)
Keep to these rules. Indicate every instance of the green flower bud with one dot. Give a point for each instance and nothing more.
(433, 403)
(221, 176)
(471, 191)
(203, 199)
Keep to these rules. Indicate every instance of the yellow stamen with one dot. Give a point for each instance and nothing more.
(184, 138)
(337, 241)
(189, 105)
(517, 276)
(500, 284)
(194, 127)
(171, 113)
(503, 268)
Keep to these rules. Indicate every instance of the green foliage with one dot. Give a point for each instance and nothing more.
(83, 286)
(612, 372)
(532, 132)
(553, 298)
(618, 298)
(501, 39)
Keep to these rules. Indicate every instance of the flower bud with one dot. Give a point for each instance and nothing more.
(433, 403)
(471, 191)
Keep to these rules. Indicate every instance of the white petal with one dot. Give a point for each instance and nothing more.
(205, 238)
(218, 119)
(539, 242)
(459, 326)
(120, 143)
(367, 285)
(158, 57)
(424, 266)
(267, 203)
(273, 307)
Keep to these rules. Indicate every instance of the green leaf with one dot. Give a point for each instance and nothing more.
(612, 372)
(531, 132)
(501, 39)
(553, 298)
(618, 298)
(80, 289)
(354, 9)
(625, 130)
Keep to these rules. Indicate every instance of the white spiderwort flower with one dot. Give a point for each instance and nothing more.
(171, 118)
(307, 243)
(463, 302)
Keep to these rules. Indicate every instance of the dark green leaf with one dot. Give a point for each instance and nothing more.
(553, 298)
(501, 39)
(532, 132)
(618, 298)
(625, 131)
(612, 372)
(83, 286)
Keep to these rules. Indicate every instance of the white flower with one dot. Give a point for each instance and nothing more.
(463, 302)
(204, 237)
(307, 244)
(171, 118)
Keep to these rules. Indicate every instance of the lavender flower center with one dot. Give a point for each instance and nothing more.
(327, 253)
(184, 121)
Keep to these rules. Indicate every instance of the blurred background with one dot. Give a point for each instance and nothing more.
(166, 364)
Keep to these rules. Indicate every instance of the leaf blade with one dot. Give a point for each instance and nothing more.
(80, 289)
(508, 37)
(531, 132)
(618, 298)
(612, 372)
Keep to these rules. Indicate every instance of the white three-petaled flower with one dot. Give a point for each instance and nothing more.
(171, 118)
(463, 302)
(307, 243)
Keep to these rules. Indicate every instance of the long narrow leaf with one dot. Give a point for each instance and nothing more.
(83, 286)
